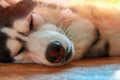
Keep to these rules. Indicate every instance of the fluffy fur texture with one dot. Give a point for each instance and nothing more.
(83, 30)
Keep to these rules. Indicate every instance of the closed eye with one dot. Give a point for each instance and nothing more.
(31, 24)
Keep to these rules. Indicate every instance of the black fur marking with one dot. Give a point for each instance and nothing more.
(20, 40)
(21, 50)
(31, 24)
(107, 48)
(23, 46)
(24, 34)
(98, 49)
(97, 39)
(5, 54)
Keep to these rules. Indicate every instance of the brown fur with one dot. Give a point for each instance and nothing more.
(15, 11)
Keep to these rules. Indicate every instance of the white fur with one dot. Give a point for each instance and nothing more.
(82, 34)
(21, 25)
(23, 57)
(4, 4)
(39, 41)
(10, 32)
(14, 46)
(15, 1)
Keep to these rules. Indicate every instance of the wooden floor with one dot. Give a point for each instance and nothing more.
(87, 69)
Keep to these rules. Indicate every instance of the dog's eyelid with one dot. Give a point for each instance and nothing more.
(31, 24)
(24, 34)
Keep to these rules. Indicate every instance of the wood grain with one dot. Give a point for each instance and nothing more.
(87, 69)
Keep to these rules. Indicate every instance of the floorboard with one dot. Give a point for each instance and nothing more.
(86, 69)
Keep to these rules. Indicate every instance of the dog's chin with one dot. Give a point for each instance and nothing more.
(43, 61)
(40, 40)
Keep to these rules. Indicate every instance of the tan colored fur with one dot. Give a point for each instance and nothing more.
(105, 17)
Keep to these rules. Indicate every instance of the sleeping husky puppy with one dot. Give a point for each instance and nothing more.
(53, 35)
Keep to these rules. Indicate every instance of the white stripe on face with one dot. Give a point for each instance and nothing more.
(12, 33)
(21, 25)
(14, 46)
(7, 3)
(4, 4)
(11, 2)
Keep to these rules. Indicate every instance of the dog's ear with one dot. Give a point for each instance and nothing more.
(63, 22)
(14, 9)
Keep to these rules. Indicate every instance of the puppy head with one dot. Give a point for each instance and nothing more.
(50, 46)
(46, 44)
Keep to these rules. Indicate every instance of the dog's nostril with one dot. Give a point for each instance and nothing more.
(55, 52)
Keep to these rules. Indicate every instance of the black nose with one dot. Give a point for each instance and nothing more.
(55, 52)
